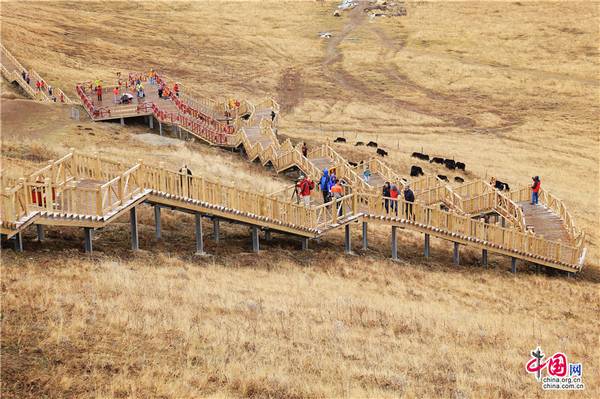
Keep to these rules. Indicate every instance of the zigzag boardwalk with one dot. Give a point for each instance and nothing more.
(90, 192)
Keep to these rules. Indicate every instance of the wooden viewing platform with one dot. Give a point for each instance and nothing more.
(91, 192)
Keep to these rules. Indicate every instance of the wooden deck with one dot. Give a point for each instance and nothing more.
(545, 222)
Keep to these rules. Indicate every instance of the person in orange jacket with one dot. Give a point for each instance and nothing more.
(535, 190)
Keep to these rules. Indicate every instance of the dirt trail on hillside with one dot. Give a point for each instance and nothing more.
(452, 109)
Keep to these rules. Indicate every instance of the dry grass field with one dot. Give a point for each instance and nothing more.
(512, 89)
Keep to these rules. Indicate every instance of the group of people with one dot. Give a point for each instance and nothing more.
(391, 193)
(40, 86)
(165, 92)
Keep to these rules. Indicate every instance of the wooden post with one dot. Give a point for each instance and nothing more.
(304, 243)
(216, 229)
(122, 121)
(40, 232)
(48, 194)
(255, 239)
(157, 221)
(484, 258)
(394, 244)
(151, 121)
(98, 201)
(87, 232)
(456, 254)
(426, 246)
(347, 245)
(18, 242)
(199, 238)
(267, 235)
(513, 264)
(135, 244)
(365, 239)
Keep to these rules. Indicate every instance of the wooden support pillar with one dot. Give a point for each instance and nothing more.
(484, 258)
(394, 243)
(456, 255)
(268, 235)
(157, 222)
(426, 251)
(255, 239)
(304, 243)
(151, 121)
(40, 232)
(365, 238)
(18, 242)
(216, 229)
(87, 237)
(122, 121)
(135, 243)
(199, 238)
(347, 244)
(513, 264)
(160, 131)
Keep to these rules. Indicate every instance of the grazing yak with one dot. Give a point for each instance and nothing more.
(359, 143)
(339, 140)
(353, 164)
(450, 164)
(372, 144)
(420, 155)
(437, 160)
(443, 177)
(416, 171)
(459, 179)
(499, 185)
(382, 152)
(461, 166)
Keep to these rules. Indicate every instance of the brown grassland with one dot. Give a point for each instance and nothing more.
(510, 88)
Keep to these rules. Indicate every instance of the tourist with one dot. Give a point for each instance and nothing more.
(50, 90)
(386, 196)
(394, 193)
(27, 79)
(332, 179)
(160, 90)
(185, 174)
(62, 97)
(303, 189)
(366, 174)
(304, 150)
(337, 191)
(99, 93)
(535, 190)
(116, 95)
(176, 89)
(38, 85)
(24, 75)
(324, 185)
(409, 197)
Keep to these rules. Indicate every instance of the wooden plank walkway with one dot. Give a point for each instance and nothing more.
(545, 222)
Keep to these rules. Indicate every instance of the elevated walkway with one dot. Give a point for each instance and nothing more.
(91, 192)
(12, 71)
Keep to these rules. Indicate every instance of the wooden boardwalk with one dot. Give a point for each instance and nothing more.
(91, 192)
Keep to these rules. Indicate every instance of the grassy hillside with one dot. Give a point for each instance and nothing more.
(511, 89)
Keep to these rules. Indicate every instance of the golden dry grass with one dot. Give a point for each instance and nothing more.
(509, 88)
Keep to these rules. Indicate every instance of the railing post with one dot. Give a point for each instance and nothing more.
(99, 211)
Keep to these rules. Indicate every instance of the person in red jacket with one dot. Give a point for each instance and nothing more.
(394, 192)
(303, 189)
(99, 93)
(535, 190)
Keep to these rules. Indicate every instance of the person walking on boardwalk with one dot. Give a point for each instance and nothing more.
(116, 95)
(535, 190)
(303, 189)
(304, 150)
(99, 93)
(38, 85)
(324, 185)
(385, 192)
(394, 192)
(409, 197)
(185, 175)
(176, 89)
(50, 90)
(366, 175)
(337, 191)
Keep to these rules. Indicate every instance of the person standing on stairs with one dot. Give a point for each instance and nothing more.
(394, 192)
(535, 190)
(99, 93)
(304, 150)
(324, 185)
(385, 192)
(409, 197)
(303, 189)
(116, 95)
(337, 191)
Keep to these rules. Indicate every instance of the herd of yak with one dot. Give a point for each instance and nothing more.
(415, 170)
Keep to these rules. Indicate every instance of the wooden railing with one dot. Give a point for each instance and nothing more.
(522, 243)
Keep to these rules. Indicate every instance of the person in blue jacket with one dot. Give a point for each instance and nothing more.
(324, 185)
